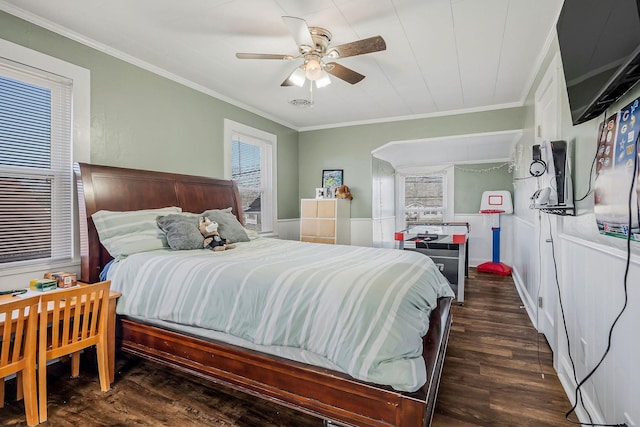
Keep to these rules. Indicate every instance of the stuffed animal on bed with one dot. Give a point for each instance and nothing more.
(212, 239)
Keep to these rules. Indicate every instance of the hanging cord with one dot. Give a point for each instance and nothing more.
(564, 323)
(595, 156)
(626, 293)
(538, 293)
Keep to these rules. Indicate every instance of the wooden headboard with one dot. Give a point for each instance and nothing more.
(121, 189)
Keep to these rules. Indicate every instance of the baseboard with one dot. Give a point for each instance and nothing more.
(529, 305)
(565, 375)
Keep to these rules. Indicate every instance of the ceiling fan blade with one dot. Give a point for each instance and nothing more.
(358, 47)
(299, 30)
(263, 56)
(344, 73)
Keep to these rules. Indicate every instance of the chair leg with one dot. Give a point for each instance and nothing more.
(29, 391)
(19, 394)
(75, 365)
(42, 388)
(103, 365)
(1, 392)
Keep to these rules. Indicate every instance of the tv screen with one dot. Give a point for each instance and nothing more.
(600, 48)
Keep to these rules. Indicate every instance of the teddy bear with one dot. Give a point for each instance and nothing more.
(342, 192)
(212, 239)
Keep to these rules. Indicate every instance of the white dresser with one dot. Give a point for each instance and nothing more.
(325, 221)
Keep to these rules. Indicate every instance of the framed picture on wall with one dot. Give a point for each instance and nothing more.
(332, 179)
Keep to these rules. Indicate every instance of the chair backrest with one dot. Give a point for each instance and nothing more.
(76, 319)
(19, 320)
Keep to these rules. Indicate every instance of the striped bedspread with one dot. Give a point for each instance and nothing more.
(363, 309)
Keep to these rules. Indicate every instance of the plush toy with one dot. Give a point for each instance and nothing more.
(342, 192)
(212, 239)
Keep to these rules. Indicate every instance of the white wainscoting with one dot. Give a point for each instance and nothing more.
(525, 265)
(361, 229)
(383, 230)
(361, 232)
(289, 229)
(592, 289)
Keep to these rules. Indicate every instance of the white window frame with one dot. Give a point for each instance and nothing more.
(17, 275)
(268, 158)
(448, 200)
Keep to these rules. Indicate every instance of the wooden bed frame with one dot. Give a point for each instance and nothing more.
(324, 393)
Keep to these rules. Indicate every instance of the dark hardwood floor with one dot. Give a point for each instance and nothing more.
(491, 378)
(492, 372)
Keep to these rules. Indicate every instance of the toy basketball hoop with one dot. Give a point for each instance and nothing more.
(492, 205)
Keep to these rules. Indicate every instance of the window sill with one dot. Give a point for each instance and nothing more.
(35, 267)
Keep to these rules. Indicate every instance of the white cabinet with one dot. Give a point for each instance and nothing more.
(325, 221)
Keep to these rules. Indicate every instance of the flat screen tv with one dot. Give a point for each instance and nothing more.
(600, 48)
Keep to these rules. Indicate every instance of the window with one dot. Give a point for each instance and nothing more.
(251, 157)
(424, 198)
(35, 165)
(424, 194)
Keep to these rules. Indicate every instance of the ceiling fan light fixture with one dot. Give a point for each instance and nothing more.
(313, 69)
(324, 80)
(333, 54)
(298, 77)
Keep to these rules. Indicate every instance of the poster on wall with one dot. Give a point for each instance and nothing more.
(615, 166)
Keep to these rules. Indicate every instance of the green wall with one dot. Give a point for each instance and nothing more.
(349, 148)
(470, 181)
(142, 120)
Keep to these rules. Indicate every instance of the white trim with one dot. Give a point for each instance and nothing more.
(81, 90)
(603, 249)
(446, 170)
(81, 149)
(361, 232)
(234, 128)
(415, 116)
(550, 81)
(515, 132)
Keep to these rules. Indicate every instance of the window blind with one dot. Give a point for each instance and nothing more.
(246, 170)
(36, 180)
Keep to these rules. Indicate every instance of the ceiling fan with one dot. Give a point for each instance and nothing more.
(314, 47)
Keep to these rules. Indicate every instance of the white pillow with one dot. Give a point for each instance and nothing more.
(251, 234)
(130, 232)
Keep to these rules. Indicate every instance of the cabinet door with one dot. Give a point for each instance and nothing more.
(309, 208)
(309, 227)
(327, 228)
(326, 208)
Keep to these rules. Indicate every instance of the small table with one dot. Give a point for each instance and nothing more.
(111, 327)
(446, 244)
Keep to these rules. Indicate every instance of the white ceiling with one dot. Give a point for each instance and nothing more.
(442, 55)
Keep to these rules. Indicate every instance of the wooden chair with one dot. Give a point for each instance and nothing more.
(19, 319)
(76, 319)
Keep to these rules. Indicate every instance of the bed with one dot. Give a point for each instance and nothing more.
(319, 390)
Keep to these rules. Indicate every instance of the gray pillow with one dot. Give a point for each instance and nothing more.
(181, 230)
(228, 225)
